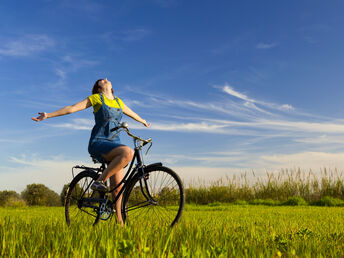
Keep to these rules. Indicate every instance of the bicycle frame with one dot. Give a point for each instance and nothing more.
(131, 172)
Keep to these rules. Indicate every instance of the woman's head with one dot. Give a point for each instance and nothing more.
(101, 85)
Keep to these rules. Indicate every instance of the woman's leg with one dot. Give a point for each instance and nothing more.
(119, 158)
(114, 181)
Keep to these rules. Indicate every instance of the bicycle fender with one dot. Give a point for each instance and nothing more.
(158, 164)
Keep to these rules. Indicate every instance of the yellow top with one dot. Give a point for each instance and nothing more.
(97, 102)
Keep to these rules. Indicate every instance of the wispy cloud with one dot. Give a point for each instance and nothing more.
(207, 125)
(69, 64)
(229, 90)
(203, 126)
(76, 124)
(76, 61)
(26, 45)
(263, 45)
(250, 102)
(242, 116)
(61, 73)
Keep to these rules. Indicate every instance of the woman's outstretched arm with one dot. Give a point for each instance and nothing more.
(86, 103)
(133, 115)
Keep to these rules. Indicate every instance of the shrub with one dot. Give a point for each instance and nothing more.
(12, 202)
(329, 201)
(213, 204)
(295, 201)
(268, 202)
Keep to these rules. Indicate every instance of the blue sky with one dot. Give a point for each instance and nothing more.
(229, 86)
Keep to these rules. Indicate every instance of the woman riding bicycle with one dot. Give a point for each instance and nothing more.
(108, 111)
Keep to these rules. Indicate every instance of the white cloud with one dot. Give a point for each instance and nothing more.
(53, 173)
(26, 45)
(324, 127)
(322, 139)
(303, 160)
(287, 107)
(229, 90)
(189, 127)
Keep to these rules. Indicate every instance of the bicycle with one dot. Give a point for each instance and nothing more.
(149, 192)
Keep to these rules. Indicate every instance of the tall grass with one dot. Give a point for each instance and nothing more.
(280, 187)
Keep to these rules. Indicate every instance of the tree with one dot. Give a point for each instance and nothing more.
(11, 198)
(39, 194)
(77, 192)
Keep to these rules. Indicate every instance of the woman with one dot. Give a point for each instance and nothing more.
(103, 146)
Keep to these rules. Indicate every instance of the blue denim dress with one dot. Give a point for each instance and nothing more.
(106, 118)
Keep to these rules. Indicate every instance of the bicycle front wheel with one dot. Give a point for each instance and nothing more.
(158, 196)
(77, 207)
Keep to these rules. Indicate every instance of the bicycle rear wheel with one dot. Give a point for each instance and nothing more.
(77, 209)
(158, 196)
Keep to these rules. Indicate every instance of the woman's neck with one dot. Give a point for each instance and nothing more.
(108, 94)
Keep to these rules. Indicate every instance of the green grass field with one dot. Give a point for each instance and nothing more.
(204, 231)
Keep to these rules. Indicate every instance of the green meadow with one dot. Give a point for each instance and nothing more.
(218, 230)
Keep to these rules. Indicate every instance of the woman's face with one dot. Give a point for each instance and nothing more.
(105, 84)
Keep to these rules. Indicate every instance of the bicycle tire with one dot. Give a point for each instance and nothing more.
(75, 211)
(166, 189)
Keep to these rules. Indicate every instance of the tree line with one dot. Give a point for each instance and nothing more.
(33, 195)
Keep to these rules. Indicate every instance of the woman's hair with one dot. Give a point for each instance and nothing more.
(96, 87)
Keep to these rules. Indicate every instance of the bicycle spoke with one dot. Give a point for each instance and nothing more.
(137, 206)
(78, 208)
(167, 198)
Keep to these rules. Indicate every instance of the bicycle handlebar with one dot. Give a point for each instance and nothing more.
(125, 127)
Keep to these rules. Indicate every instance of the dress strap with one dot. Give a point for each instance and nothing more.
(101, 98)
(118, 104)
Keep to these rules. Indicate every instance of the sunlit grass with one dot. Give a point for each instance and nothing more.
(204, 231)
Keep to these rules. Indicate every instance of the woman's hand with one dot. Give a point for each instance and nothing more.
(42, 116)
(144, 122)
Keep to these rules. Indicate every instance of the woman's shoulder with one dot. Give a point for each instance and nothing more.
(95, 98)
